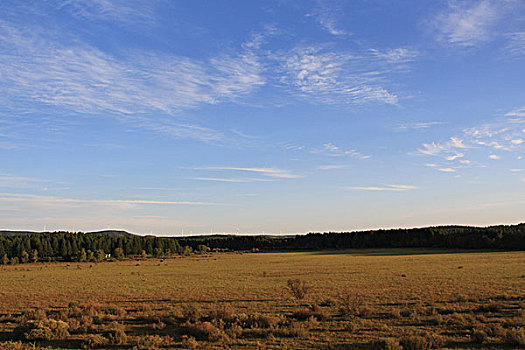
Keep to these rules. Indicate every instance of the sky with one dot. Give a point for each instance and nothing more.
(196, 117)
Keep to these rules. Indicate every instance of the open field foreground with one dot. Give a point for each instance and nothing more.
(380, 299)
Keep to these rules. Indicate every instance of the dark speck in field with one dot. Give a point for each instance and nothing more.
(403, 275)
(460, 267)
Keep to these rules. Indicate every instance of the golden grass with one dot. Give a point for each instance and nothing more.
(354, 298)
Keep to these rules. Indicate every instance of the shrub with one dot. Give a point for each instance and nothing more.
(94, 341)
(47, 329)
(415, 342)
(257, 321)
(205, 331)
(152, 342)
(386, 344)
(478, 336)
(297, 288)
(494, 330)
(224, 313)
(191, 312)
(189, 342)
(117, 337)
(35, 315)
(10, 345)
(314, 311)
(515, 336)
(350, 305)
(422, 342)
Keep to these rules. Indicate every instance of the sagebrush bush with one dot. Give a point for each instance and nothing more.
(191, 312)
(117, 337)
(151, 342)
(422, 342)
(298, 288)
(515, 336)
(94, 341)
(415, 342)
(386, 344)
(48, 329)
(478, 336)
(205, 331)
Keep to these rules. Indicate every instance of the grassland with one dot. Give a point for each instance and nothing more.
(363, 299)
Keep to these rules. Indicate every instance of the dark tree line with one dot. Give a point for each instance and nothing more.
(67, 246)
(461, 237)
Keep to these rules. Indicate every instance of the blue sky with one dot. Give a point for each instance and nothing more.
(261, 116)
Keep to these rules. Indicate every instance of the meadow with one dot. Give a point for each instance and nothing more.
(352, 299)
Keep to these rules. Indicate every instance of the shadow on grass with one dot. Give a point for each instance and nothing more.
(401, 251)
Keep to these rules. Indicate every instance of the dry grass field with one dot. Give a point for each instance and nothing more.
(366, 299)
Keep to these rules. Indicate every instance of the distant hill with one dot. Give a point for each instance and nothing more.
(112, 233)
(104, 232)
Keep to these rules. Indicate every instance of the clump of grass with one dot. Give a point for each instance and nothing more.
(515, 336)
(189, 342)
(94, 341)
(205, 331)
(352, 305)
(257, 321)
(11, 345)
(152, 342)
(48, 329)
(35, 315)
(191, 312)
(422, 342)
(478, 336)
(298, 288)
(494, 330)
(491, 307)
(386, 344)
(117, 337)
(223, 314)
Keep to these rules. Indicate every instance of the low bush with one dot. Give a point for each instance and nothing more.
(298, 288)
(386, 344)
(204, 331)
(478, 336)
(191, 312)
(515, 336)
(48, 329)
(94, 341)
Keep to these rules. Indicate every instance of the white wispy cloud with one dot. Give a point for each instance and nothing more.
(332, 150)
(235, 180)
(436, 149)
(456, 156)
(13, 181)
(520, 112)
(467, 23)
(393, 188)
(326, 17)
(137, 13)
(503, 134)
(516, 45)
(447, 170)
(342, 77)
(80, 78)
(330, 167)
(417, 125)
(31, 198)
(270, 172)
